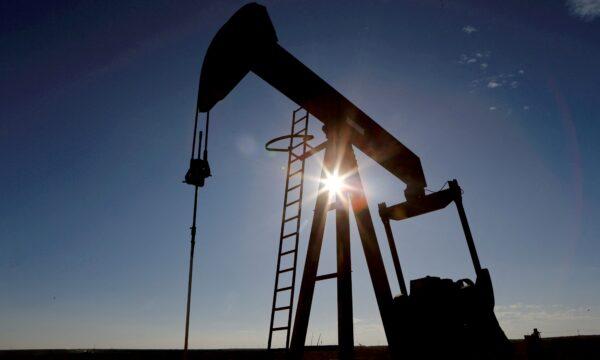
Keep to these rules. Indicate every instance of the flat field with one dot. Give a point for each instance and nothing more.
(572, 348)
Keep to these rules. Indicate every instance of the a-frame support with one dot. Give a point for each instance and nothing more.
(339, 159)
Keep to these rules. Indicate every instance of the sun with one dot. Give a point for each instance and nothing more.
(334, 184)
(337, 185)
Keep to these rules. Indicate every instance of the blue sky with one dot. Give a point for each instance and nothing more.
(97, 101)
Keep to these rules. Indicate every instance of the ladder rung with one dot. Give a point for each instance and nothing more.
(288, 235)
(299, 157)
(292, 218)
(287, 252)
(296, 158)
(282, 308)
(326, 276)
(286, 270)
(280, 328)
(284, 288)
(295, 172)
(297, 145)
(294, 187)
(293, 202)
(300, 119)
(298, 133)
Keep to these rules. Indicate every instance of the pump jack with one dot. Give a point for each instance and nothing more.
(248, 42)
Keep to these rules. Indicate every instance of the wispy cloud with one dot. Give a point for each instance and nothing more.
(510, 80)
(492, 84)
(469, 29)
(586, 10)
(480, 62)
(474, 57)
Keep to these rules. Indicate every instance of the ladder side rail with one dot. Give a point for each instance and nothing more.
(301, 192)
(277, 273)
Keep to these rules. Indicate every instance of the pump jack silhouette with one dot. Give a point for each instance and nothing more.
(439, 317)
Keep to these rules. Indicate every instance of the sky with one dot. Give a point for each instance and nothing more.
(97, 104)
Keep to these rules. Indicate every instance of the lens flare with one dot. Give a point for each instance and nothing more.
(334, 184)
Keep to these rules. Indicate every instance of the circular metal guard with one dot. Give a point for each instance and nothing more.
(284, 137)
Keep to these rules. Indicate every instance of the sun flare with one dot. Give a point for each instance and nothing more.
(334, 184)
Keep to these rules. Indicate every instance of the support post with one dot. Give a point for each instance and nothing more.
(368, 238)
(344, 266)
(311, 264)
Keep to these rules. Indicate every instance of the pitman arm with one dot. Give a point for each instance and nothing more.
(248, 42)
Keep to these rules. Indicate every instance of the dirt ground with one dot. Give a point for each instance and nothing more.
(572, 348)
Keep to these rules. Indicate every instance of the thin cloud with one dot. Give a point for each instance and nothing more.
(586, 10)
(467, 59)
(479, 61)
(492, 84)
(509, 80)
(469, 29)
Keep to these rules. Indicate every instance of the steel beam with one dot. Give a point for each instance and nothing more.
(311, 264)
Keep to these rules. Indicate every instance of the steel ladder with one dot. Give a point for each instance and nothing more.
(290, 225)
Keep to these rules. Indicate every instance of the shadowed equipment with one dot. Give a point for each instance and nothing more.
(439, 317)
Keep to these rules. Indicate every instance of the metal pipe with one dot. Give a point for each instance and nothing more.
(465, 225)
(189, 290)
(393, 250)
(192, 247)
